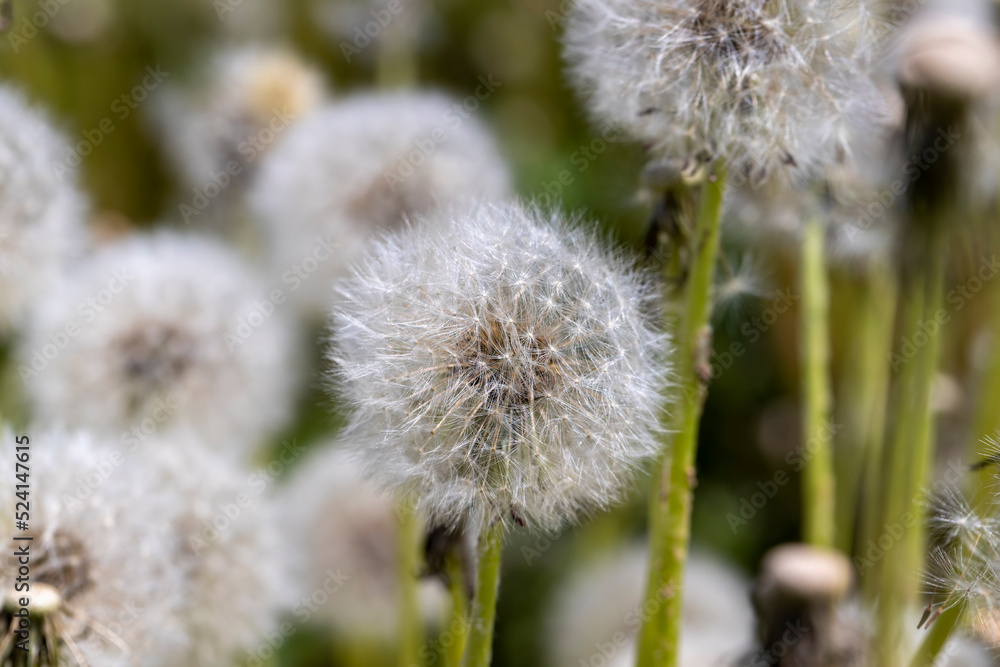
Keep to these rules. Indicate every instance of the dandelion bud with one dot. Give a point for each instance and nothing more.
(502, 365)
(950, 54)
(244, 103)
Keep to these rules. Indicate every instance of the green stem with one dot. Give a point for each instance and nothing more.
(986, 421)
(937, 637)
(459, 625)
(670, 505)
(891, 584)
(912, 453)
(485, 608)
(819, 504)
(870, 399)
(408, 564)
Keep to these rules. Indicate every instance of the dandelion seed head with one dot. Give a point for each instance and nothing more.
(765, 85)
(170, 334)
(361, 166)
(228, 548)
(342, 523)
(41, 210)
(98, 554)
(507, 365)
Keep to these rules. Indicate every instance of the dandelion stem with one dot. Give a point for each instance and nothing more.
(409, 610)
(819, 502)
(670, 506)
(485, 608)
(866, 393)
(987, 421)
(459, 626)
(912, 451)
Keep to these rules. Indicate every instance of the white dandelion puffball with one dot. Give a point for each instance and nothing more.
(345, 531)
(228, 550)
(41, 210)
(100, 572)
(245, 101)
(601, 606)
(164, 331)
(359, 167)
(763, 85)
(503, 367)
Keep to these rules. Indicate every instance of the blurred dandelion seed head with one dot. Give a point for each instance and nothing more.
(359, 167)
(41, 211)
(164, 335)
(341, 522)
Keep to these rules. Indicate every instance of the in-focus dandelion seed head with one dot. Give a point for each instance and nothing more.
(502, 365)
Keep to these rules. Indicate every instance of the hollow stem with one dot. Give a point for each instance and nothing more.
(480, 646)
(670, 504)
(819, 503)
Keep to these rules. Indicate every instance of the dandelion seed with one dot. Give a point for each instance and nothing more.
(456, 402)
